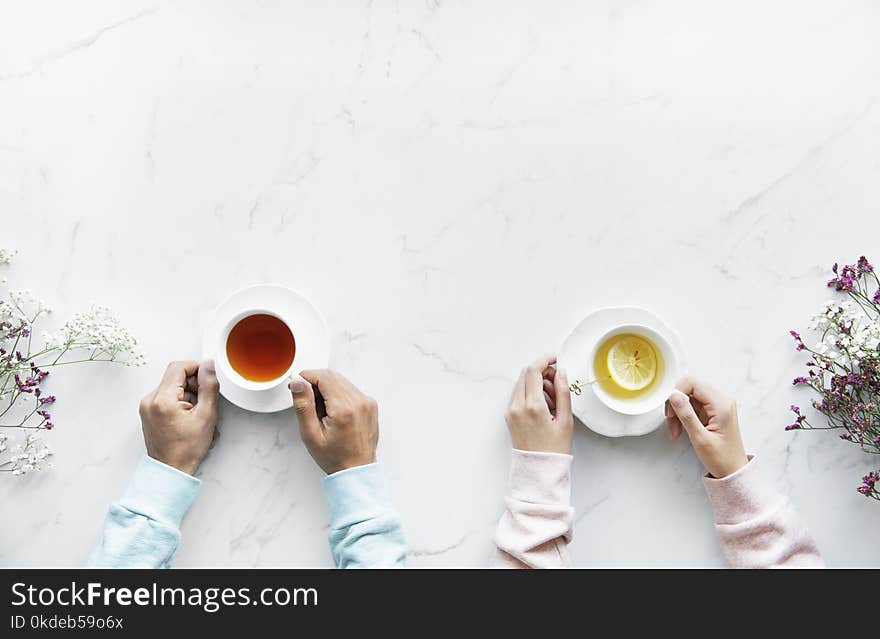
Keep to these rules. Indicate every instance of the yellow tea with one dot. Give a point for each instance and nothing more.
(628, 366)
(260, 348)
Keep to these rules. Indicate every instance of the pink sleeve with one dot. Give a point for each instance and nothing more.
(758, 527)
(536, 527)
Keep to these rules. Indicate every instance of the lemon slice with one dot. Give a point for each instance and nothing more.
(632, 363)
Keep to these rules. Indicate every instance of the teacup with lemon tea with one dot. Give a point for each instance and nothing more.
(631, 368)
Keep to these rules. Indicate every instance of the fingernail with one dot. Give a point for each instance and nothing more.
(563, 376)
(297, 384)
(209, 365)
(678, 399)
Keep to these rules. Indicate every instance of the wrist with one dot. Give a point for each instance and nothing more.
(729, 467)
(185, 464)
(558, 447)
(549, 450)
(333, 468)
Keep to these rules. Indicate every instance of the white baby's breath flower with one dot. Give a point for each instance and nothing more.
(33, 456)
(100, 330)
(93, 335)
(53, 340)
(24, 306)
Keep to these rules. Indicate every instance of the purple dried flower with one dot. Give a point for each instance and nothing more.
(864, 266)
(844, 281)
(26, 386)
(48, 399)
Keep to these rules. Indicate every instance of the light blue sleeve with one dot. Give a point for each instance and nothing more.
(365, 532)
(142, 529)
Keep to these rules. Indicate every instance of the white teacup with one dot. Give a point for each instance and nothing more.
(657, 395)
(222, 359)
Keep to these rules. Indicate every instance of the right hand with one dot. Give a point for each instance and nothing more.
(709, 418)
(539, 415)
(339, 425)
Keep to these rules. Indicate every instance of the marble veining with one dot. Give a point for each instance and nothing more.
(455, 185)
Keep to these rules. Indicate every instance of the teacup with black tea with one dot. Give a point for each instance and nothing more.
(260, 348)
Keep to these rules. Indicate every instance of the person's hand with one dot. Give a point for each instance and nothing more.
(179, 418)
(709, 418)
(339, 424)
(539, 415)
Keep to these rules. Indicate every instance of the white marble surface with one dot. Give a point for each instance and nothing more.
(454, 184)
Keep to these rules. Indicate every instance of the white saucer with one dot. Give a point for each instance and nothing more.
(574, 358)
(309, 331)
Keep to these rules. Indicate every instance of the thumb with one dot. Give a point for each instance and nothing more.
(208, 389)
(310, 428)
(681, 405)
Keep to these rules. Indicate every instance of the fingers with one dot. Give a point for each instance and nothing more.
(563, 395)
(208, 390)
(173, 383)
(681, 406)
(329, 383)
(310, 428)
(550, 394)
(534, 378)
(700, 391)
(672, 422)
(519, 389)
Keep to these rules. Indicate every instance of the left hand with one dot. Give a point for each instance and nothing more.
(179, 418)
(539, 416)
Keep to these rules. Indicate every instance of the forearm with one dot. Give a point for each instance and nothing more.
(758, 527)
(142, 529)
(536, 526)
(365, 531)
